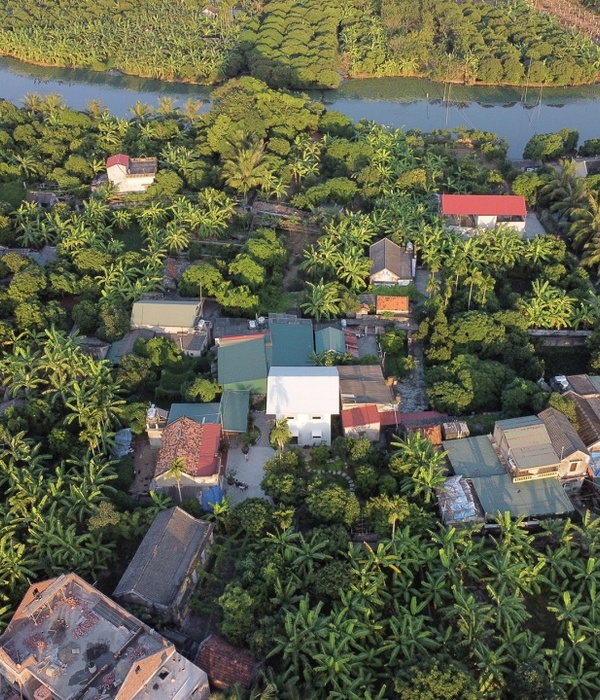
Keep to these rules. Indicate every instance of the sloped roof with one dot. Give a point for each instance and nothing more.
(242, 361)
(360, 384)
(235, 406)
(225, 664)
(163, 559)
(583, 385)
(164, 313)
(197, 445)
(199, 412)
(330, 339)
(497, 493)
(528, 442)
(483, 205)
(563, 435)
(392, 303)
(293, 344)
(143, 166)
(472, 457)
(387, 255)
(303, 390)
(588, 417)
(118, 159)
(358, 416)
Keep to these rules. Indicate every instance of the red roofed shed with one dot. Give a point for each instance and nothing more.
(118, 159)
(484, 210)
(361, 421)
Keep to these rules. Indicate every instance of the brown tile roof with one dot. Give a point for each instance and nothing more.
(386, 255)
(392, 303)
(563, 436)
(197, 445)
(225, 664)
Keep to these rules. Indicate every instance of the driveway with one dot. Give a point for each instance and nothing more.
(249, 468)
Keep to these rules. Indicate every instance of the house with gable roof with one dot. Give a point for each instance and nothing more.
(391, 264)
(129, 175)
(198, 445)
(484, 210)
(175, 543)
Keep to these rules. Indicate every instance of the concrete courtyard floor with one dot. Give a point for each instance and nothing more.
(249, 468)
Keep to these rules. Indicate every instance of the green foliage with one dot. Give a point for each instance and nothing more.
(203, 390)
(566, 405)
(434, 679)
(252, 516)
(331, 503)
(521, 397)
(551, 146)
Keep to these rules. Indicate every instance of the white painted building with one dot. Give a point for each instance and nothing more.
(131, 174)
(307, 397)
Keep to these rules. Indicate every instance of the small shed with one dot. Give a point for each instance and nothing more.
(455, 429)
(225, 664)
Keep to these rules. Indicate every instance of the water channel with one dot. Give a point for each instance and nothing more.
(401, 102)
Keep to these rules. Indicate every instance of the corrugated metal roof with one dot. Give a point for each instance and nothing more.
(582, 384)
(358, 416)
(497, 493)
(242, 361)
(235, 406)
(588, 417)
(199, 412)
(473, 456)
(293, 344)
(328, 339)
(361, 384)
(483, 205)
(165, 314)
(562, 434)
(529, 444)
(303, 390)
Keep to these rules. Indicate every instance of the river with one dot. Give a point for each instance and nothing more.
(400, 102)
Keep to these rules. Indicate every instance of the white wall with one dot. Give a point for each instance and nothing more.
(308, 429)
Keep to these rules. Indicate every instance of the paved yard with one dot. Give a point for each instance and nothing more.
(533, 227)
(250, 470)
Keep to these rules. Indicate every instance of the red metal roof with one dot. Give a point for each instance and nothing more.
(358, 416)
(483, 205)
(118, 159)
(390, 417)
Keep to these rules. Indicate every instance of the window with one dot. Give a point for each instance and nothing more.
(573, 466)
(315, 417)
(317, 436)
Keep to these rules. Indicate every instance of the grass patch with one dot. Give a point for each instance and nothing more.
(132, 238)
(12, 192)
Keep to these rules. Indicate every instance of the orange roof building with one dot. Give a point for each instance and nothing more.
(392, 304)
(198, 447)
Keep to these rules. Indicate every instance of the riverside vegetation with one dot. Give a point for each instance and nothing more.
(291, 44)
(510, 618)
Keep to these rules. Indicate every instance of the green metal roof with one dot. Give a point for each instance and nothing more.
(235, 406)
(515, 423)
(497, 493)
(200, 412)
(330, 339)
(242, 361)
(473, 457)
(293, 344)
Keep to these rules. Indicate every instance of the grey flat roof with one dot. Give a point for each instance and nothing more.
(199, 412)
(473, 457)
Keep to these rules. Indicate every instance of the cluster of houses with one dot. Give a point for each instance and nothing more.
(528, 466)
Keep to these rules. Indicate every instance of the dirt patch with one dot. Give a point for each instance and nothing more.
(296, 242)
(144, 462)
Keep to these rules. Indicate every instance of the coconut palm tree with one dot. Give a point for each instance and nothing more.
(246, 168)
(176, 471)
(280, 434)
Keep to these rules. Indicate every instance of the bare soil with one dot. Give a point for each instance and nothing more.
(572, 14)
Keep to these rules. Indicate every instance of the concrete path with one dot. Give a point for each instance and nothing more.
(249, 468)
(533, 227)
